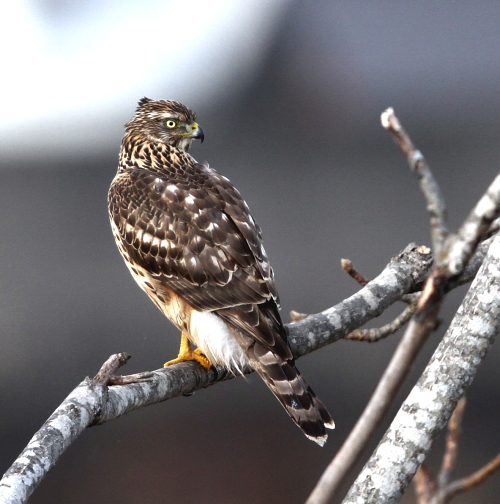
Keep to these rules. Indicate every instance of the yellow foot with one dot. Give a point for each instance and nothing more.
(191, 355)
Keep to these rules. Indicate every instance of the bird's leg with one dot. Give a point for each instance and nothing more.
(186, 353)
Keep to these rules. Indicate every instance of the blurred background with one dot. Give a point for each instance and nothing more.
(289, 94)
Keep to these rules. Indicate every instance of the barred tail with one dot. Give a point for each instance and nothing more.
(291, 390)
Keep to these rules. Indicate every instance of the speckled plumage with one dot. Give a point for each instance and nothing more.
(190, 242)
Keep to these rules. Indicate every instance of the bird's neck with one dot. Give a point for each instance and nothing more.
(137, 152)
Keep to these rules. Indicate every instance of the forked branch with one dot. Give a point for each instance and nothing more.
(403, 447)
(453, 253)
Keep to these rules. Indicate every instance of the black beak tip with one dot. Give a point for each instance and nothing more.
(200, 136)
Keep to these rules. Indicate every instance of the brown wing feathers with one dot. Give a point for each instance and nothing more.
(190, 229)
(270, 355)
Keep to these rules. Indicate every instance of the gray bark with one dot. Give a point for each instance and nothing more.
(427, 409)
(92, 403)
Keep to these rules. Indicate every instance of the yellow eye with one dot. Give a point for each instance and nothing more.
(170, 124)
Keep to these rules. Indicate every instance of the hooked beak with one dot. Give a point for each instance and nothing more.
(197, 132)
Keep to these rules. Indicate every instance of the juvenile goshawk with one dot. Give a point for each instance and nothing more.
(191, 244)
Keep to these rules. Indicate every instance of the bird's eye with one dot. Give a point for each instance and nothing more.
(170, 124)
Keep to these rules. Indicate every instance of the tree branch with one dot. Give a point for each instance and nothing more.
(393, 377)
(452, 439)
(378, 333)
(461, 245)
(426, 410)
(431, 491)
(432, 193)
(106, 374)
(349, 268)
(453, 252)
(404, 274)
(475, 479)
(93, 403)
(424, 485)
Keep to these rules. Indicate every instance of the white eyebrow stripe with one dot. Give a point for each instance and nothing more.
(168, 115)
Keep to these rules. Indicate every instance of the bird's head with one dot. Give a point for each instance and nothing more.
(165, 121)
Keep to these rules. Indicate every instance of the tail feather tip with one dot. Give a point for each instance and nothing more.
(321, 440)
(330, 425)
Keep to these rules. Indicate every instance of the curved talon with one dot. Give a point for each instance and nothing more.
(186, 353)
(191, 355)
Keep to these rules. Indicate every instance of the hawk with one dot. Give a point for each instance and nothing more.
(190, 242)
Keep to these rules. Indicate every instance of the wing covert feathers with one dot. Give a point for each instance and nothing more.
(192, 245)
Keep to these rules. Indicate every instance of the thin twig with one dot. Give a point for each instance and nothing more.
(475, 479)
(435, 201)
(445, 491)
(378, 333)
(451, 449)
(429, 491)
(438, 495)
(108, 369)
(349, 268)
(296, 316)
(106, 375)
(424, 485)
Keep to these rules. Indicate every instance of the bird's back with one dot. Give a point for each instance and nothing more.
(191, 243)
